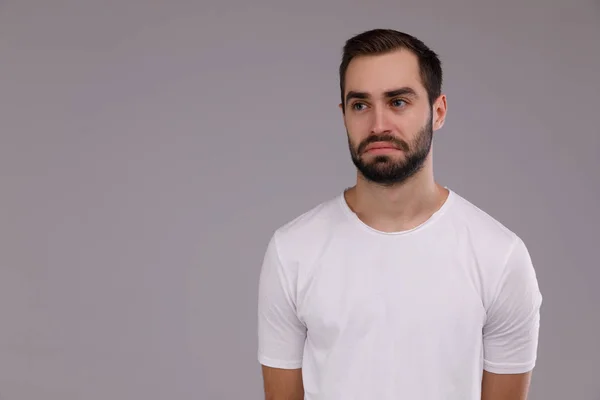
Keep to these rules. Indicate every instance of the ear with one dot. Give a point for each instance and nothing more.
(341, 106)
(439, 112)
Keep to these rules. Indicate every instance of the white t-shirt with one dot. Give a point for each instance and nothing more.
(417, 314)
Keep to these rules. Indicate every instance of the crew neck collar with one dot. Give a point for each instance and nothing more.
(434, 217)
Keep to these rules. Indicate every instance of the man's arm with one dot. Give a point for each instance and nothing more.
(505, 386)
(510, 334)
(281, 334)
(282, 384)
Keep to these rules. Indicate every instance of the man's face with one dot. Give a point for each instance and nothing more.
(388, 117)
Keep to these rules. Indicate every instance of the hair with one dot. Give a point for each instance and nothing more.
(382, 41)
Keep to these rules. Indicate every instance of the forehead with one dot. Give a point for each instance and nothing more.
(378, 73)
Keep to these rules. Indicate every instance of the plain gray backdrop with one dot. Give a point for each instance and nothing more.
(148, 150)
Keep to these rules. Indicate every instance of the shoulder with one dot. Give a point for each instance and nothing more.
(483, 231)
(489, 246)
(301, 234)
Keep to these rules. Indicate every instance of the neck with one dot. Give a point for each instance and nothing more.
(398, 207)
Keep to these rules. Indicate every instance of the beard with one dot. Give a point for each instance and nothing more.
(385, 169)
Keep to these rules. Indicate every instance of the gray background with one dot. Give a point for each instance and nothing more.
(148, 149)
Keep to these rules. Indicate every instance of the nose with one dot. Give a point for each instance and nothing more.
(380, 121)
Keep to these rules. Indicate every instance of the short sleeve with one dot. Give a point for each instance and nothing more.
(510, 334)
(281, 335)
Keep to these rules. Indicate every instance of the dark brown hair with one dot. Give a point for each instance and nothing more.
(381, 41)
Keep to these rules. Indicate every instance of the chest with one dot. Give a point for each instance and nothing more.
(405, 292)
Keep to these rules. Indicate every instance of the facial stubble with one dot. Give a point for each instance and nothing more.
(387, 170)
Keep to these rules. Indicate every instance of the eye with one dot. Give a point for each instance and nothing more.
(356, 106)
(398, 102)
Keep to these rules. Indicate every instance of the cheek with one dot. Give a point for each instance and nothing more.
(356, 136)
(357, 128)
(354, 124)
(410, 126)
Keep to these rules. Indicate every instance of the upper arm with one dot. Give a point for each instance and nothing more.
(281, 334)
(284, 384)
(510, 334)
(505, 386)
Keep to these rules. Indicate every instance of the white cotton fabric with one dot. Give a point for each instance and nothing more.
(417, 314)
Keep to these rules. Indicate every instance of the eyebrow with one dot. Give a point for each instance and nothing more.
(404, 91)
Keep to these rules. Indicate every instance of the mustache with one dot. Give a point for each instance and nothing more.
(399, 143)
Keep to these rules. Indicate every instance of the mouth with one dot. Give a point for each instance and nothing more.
(380, 148)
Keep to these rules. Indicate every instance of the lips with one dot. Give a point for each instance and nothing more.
(377, 146)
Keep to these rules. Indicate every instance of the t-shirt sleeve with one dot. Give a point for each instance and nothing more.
(510, 334)
(281, 335)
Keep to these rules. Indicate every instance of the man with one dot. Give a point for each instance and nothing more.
(398, 288)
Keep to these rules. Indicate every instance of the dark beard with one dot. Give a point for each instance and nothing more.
(383, 169)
